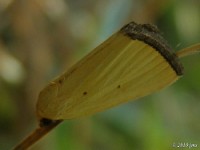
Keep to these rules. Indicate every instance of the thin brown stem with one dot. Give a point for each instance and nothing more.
(36, 135)
(189, 50)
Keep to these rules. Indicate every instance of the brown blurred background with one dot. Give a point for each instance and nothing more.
(39, 39)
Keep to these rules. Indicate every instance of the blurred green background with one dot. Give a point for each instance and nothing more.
(39, 39)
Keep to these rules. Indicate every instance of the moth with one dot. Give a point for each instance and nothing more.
(134, 62)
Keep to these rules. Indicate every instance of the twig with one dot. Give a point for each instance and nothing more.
(45, 126)
(189, 50)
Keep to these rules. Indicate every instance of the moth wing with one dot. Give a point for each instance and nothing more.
(119, 70)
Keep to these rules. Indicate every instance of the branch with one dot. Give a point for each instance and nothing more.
(45, 126)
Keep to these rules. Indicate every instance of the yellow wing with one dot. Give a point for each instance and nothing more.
(125, 67)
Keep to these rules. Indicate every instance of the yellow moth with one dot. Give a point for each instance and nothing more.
(132, 63)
